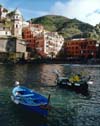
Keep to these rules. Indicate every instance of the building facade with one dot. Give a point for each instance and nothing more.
(12, 47)
(5, 30)
(3, 12)
(28, 37)
(53, 43)
(44, 43)
(30, 32)
(11, 42)
(11, 22)
(16, 22)
(80, 48)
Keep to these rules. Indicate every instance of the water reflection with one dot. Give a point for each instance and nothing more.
(68, 107)
(28, 119)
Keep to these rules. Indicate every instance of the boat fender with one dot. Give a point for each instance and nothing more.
(90, 82)
(77, 84)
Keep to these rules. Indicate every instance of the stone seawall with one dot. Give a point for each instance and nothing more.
(11, 46)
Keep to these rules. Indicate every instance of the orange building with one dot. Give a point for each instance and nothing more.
(33, 35)
(30, 32)
(80, 48)
(40, 45)
(29, 37)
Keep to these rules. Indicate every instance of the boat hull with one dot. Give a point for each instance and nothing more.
(81, 87)
(32, 102)
(75, 82)
(35, 109)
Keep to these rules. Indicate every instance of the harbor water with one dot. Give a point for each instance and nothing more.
(68, 107)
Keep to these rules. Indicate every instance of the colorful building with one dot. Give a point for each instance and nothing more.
(44, 43)
(80, 48)
(30, 34)
(11, 22)
(11, 42)
(39, 41)
(28, 37)
(53, 43)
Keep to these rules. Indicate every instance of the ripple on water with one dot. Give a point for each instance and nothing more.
(68, 107)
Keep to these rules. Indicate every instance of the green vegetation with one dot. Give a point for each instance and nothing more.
(6, 23)
(69, 28)
(51, 23)
(96, 33)
(0, 5)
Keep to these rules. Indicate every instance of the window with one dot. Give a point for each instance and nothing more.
(16, 26)
(6, 32)
(16, 17)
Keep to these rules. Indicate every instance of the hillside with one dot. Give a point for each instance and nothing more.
(67, 27)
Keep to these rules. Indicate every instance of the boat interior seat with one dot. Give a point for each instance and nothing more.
(24, 93)
(27, 95)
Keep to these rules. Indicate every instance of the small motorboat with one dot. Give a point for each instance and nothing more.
(76, 82)
(30, 100)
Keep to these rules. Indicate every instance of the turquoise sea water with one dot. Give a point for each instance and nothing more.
(68, 107)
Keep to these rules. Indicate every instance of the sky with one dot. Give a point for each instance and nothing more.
(84, 10)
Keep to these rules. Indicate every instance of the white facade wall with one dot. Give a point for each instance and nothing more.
(53, 43)
(17, 23)
(36, 31)
(17, 29)
(5, 33)
(20, 46)
(25, 24)
(3, 14)
(3, 44)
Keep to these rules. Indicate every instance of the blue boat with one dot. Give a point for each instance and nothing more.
(30, 100)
